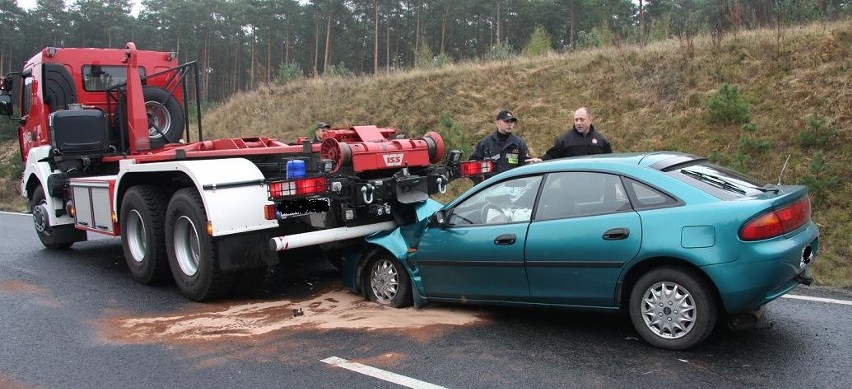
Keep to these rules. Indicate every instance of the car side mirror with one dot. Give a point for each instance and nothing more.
(440, 218)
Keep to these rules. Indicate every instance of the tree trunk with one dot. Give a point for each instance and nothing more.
(327, 42)
(497, 22)
(316, 48)
(444, 21)
(376, 36)
(572, 29)
(641, 23)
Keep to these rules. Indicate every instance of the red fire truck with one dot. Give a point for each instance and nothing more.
(107, 147)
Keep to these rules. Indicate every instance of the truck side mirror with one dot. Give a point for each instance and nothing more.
(6, 107)
(6, 84)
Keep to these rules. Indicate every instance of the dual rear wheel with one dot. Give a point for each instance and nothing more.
(163, 236)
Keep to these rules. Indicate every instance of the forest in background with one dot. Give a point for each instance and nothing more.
(241, 45)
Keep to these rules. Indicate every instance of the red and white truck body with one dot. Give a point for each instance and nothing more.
(107, 149)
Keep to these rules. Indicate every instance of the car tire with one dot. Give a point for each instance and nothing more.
(386, 282)
(193, 255)
(673, 308)
(142, 219)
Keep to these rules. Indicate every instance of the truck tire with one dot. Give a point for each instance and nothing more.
(52, 237)
(193, 255)
(165, 116)
(142, 219)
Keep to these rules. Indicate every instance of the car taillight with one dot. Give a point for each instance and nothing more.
(778, 222)
(300, 187)
(475, 168)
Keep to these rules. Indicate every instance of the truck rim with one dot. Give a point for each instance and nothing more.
(159, 118)
(136, 236)
(187, 245)
(669, 310)
(40, 218)
(384, 281)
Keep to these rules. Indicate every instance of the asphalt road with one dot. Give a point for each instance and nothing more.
(75, 319)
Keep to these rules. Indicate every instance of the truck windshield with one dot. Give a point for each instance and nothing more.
(101, 77)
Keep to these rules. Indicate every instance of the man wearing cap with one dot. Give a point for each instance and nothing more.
(504, 148)
(321, 128)
(582, 139)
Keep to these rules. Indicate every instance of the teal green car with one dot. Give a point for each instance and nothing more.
(676, 242)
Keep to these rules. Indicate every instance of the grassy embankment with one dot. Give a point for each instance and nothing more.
(796, 84)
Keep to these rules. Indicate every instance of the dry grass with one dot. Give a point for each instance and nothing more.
(651, 98)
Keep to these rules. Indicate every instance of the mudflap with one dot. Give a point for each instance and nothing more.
(247, 250)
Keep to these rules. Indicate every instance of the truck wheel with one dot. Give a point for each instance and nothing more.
(673, 308)
(142, 218)
(387, 282)
(52, 237)
(193, 255)
(165, 116)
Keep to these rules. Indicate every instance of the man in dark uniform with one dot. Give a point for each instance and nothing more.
(582, 139)
(321, 128)
(504, 148)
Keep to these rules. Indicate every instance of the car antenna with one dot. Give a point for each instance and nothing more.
(782, 169)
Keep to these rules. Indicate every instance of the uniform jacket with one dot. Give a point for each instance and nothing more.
(574, 143)
(512, 152)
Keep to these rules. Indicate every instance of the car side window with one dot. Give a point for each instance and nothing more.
(646, 197)
(574, 194)
(507, 201)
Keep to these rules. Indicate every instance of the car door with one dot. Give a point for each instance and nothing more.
(480, 254)
(583, 233)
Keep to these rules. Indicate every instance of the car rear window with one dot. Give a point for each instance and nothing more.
(716, 180)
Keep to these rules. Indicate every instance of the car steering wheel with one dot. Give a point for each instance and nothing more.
(495, 217)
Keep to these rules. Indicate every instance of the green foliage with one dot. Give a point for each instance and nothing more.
(816, 134)
(539, 43)
(288, 72)
(752, 144)
(423, 56)
(749, 146)
(426, 60)
(12, 167)
(819, 181)
(597, 37)
(455, 137)
(729, 107)
(500, 51)
(8, 129)
(206, 106)
(338, 70)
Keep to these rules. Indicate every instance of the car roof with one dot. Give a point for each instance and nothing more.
(658, 160)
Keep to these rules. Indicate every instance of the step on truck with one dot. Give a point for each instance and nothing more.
(108, 148)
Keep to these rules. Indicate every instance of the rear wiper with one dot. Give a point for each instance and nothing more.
(713, 180)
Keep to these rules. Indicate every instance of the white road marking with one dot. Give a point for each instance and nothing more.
(818, 299)
(14, 213)
(380, 374)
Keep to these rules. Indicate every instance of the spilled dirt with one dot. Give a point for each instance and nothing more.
(335, 309)
(19, 287)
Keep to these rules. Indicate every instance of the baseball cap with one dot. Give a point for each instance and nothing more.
(506, 116)
(323, 125)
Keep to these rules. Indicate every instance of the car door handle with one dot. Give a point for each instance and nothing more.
(616, 233)
(505, 239)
